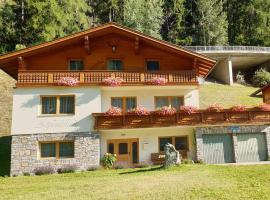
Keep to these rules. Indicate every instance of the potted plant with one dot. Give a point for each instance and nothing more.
(238, 113)
(138, 116)
(112, 111)
(140, 110)
(214, 113)
(67, 81)
(189, 114)
(159, 81)
(113, 82)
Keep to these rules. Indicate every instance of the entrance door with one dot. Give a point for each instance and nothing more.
(126, 150)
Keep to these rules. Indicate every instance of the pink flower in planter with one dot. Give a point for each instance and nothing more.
(113, 82)
(113, 111)
(215, 108)
(165, 111)
(238, 108)
(188, 109)
(159, 81)
(67, 81)
(263, 107)
(140, 110)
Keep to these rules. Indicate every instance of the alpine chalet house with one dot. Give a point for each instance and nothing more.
(113, 89)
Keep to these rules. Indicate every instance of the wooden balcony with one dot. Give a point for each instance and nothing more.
(26, 78)
(103, 121)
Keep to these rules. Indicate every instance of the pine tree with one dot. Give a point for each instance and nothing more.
(211, 23)
(144, 15)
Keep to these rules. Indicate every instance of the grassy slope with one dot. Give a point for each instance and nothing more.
(6, 86)
(184, 182)
(227, 95)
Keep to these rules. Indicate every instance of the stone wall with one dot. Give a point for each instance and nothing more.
(25, 152)
(199, 131)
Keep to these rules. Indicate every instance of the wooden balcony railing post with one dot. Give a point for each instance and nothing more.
(170, 78)
(142, 77)
(81, 78)
(50, 78)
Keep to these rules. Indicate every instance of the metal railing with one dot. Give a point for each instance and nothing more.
(229, 48)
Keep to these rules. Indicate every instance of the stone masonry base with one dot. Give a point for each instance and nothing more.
(25, 152)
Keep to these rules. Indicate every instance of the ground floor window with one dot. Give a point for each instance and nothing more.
(57, 149)
(180, 142)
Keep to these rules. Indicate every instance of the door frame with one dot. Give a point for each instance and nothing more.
(126, 140)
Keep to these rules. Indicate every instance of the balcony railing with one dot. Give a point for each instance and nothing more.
(103, 121)
(256, 49)
(97, 77)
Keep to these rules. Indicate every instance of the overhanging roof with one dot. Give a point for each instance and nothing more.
(8, 61)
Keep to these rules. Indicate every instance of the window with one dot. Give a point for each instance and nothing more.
(152, 65)
(76, 65)
(125, 103)
(58, 105)
(63, 149)
(115, 65)
(123, 148)
(180, 143)
(174, 102)
(111, 148)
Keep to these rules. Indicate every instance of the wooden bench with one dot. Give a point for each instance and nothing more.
(159, 158)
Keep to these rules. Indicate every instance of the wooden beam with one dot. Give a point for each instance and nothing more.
(22, 65)
(87, 45)
(137, 45)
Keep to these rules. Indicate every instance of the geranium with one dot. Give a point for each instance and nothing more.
(113, 82)
(188, 109)
(159, 81)
(263, 107)
(67, 81)
(140, 110)
(166, 111)
(238, 108)
(113, 111)
(214, 108)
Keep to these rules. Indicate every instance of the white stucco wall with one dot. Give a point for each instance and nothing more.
(146, 95)
(26, 117)
(148, 139)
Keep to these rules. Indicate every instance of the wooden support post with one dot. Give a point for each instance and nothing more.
(142, 77)
(50, 77)
(170, 78)
(22, 65)
(87, 45)
(137, 45)
(81, 78)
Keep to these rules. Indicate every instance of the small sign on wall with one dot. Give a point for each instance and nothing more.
(145, 144)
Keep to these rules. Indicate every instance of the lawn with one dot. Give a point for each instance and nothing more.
(184, 182)
(227, 95)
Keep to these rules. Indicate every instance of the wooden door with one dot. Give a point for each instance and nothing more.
(126, 150)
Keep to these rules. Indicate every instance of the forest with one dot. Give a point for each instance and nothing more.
(184, 22)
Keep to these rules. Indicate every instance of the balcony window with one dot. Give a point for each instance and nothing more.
(125, 103)
(115, 65)
(62, 149)
(152, 65)
(173, 101)
(76, 65)
(58, 104)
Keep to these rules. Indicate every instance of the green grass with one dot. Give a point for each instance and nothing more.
(184, 182)
(227, 95)
(5, 150)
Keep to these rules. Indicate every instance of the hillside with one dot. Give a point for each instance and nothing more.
(209, 93)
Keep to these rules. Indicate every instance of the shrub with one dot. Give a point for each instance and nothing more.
(240, 78)
(188, 109)
(108, 160)
(214, 108)
(238, 108)
(140, 110)
(165, 111)
(261, 77)
(187, 161)
(113, 111)
(199, 161)
(44, 170)
(159, 81)
(93, 168)
(26, 174)
(142, 165)
(67, 169)
(263, 107)
(113, 82)
(67, 81)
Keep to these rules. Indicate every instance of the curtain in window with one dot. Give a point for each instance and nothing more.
(48, 150)
(66, 149)
(115, 65)
(176, 102)
(76, 65)
(130, 103)
(162, 101)
(67, 105)
(117, 102)
(152, 65)
(48, 105)
(163, 141)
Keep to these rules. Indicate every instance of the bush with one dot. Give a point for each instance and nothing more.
(93, 168)
(67, 169)
(44, 170)
(187, 161)
(26, 173)
(142, 165)
(199, 162)
(108, 160)
(261, 78)
(240, 78)
(238, 108)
